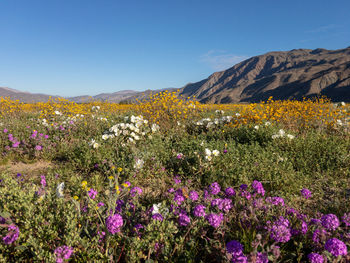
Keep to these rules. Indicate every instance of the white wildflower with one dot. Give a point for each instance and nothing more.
(290, 136)
(215, 152)
(207, 152)
(139, 164)
(59, 190)
(105, 137)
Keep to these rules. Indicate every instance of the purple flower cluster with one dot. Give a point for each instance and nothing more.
(236, 250)
(306, 193)
(330, 222)
(214, 188)
(135, 190)
(280, 231)
(43, 180)
(230, 192)
(215, 219)
(261, 258)
(258, 187)
(276, 200)
(12, 235)
(62, 253)
(315, 258)
(184, 219)
(336, 247)
(222, 204)
(178, 197)
(346, 219)
(199, 211)
(92, 193)
(193, 196)
(157, 217)
(114, 223)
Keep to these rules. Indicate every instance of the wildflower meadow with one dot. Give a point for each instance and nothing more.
(170, 180)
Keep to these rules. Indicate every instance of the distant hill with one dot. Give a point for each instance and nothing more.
(284, 75)
(125, 96)
(23, 96)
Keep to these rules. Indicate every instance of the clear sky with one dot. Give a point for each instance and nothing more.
(76, 47)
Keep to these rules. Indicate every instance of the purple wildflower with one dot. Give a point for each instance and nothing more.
(5, 130)
(38, 148)
(114, 223)
(275, 200)
(225, 204)
(119, 206)
(214, 188)
(135, 190)
(62, 253)
(171, 190)
(100, 204)
(215, 202)
(246, 194)
(280, 231)
(193, 195)
(46, 136)
(15, 144)
(346, 219)
(43, 181)
(330, 222)
(199, 211)
(214, 219)
(184, 219)
(179, 156)
(243, 187)
(12, 235)
(336, 247)
(234, 247)
(258, 187)
(261, 258)
(92, 193)
(315, 258)
(157, 217)
(225, 151)
(319, 235)
(177, 180)
(230, 192)
(239, 258)
(179, 198)
(306, 193)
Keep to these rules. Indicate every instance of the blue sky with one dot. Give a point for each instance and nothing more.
(76, 47)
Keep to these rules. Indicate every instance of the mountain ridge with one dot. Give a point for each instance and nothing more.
(281, 74)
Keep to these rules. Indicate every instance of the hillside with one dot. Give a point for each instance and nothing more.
(284, 75)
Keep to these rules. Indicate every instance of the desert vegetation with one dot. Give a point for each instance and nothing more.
(172, 180)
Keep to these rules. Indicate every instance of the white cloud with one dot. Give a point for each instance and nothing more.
(220, 60)
(323, 29)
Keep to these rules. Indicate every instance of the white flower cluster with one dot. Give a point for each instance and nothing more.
(219, 112)
(133, 131)
(209, 123)
(95, 108)
(281, 134)
(138, 164)
(94, 144)
(209, 154)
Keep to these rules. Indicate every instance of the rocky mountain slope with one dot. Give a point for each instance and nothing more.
(284, 75)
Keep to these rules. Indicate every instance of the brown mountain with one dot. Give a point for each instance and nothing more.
(125, 96)
(283, 75)
(23, 96)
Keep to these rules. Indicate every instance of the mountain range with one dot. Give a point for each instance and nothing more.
(291, 74)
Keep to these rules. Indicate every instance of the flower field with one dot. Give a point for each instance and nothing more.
(171, 180)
